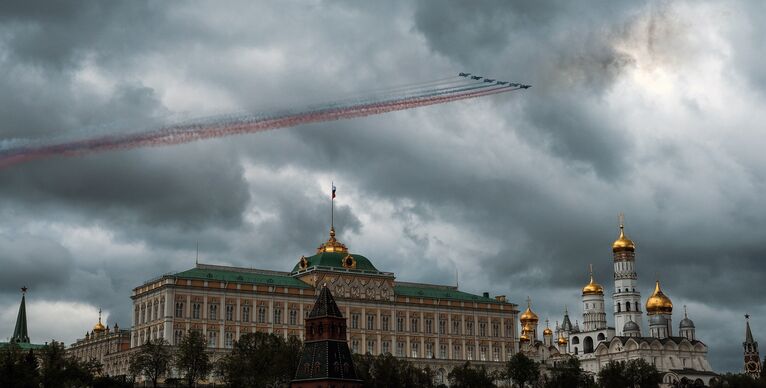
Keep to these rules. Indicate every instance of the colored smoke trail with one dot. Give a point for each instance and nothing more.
(382, 101)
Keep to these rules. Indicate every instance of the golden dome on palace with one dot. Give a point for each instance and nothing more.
(332, 245)
(623, 243)
(99, 327)
(658, 303)
(562, 340)
(592, 288)
(547, 331)
(523, 337)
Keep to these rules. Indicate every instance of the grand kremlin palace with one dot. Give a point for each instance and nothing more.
(435, 325)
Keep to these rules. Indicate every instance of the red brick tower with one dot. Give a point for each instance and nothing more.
(326, 361)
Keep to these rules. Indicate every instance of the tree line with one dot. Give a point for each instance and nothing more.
(268, 360)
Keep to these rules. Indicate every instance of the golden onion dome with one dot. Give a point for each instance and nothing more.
(529, 316)
(547, 331)
(332, 245)
(562, 340)
(623, 243)
(658, 303)
(99, 327)
(523, 338)
(592, 288)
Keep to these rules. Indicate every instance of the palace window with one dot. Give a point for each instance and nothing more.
(495, 353)
(245, 313)
(196, 308)
(384, 322)
(261, 314)
(229, 312)
(228, 340)
(508, 328)
(455, 326)
(429, 350)
(136, 318)
(400, 349)
(456, 352)
(156, 311)
(354, 346)
(211, 337)
(386, 347)
(178, 335)
(496, 330)
(293, 317)
(370, 322)
(179, 310)
(212, 311)
(469, 327)
(442, 326)
(414, 347)
(143, 314)
(442, 351)
(371, 346)
(469, 352)
(429, 325)
(483, 353)
(354, 320)
(278, 316)
(483, 329)
(399, 323)
(414, 325)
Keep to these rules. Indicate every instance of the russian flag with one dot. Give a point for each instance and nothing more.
(333, 191)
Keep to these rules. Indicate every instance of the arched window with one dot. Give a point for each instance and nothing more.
(575, 340)
(618, 307)
(627, 306)
(587, 345)
(601, 337)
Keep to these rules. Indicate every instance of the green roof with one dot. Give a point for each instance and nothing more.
(335, 259)
(242, 277)
(23, 345)
(438, 292)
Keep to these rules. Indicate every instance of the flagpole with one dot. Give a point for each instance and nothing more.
(332, 207)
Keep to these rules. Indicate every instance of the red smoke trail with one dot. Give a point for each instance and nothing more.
(193, 132)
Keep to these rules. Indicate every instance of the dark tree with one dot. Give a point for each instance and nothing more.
(522, 369)
(731, 380)
(57, 370)
(17, 368)
(191, 359)
(151, 360)
(612, 375)
(466, 376)
(260, 360)
(641, 374)
(567, 374)
(387, 371)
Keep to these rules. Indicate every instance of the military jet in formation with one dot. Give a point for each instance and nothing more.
(489, 80)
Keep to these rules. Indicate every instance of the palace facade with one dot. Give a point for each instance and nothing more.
(435, 325)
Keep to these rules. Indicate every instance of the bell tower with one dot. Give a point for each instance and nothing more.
(752, 357)
(626, 297)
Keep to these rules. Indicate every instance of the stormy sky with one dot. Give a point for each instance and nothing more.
(655, 110)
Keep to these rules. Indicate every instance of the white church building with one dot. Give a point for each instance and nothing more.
(679, 356)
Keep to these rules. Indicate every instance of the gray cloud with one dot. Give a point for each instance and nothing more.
(518, 192)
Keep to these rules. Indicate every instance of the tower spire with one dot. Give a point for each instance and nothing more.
(748, 333)
(20, 333)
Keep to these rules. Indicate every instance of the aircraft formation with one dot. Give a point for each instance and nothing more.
(496, 82)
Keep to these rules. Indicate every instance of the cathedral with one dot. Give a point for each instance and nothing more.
(680, 357)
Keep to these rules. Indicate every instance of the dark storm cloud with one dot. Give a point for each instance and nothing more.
(531, 182)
